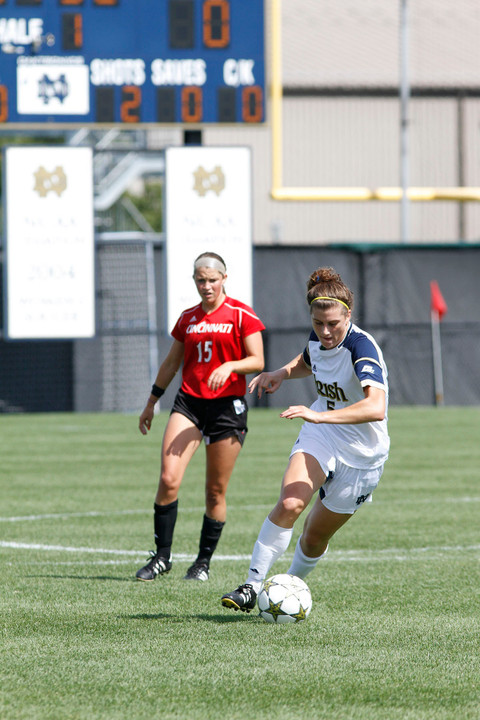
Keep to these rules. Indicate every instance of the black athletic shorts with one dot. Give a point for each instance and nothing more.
(216, 419)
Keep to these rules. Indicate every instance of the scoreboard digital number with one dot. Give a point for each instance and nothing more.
(77, 62)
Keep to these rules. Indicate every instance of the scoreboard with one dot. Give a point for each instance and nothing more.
(81, 62)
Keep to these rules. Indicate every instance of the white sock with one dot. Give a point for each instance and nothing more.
(301, 564)
(272, 542)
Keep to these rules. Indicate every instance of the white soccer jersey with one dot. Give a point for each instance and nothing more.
(340, 376)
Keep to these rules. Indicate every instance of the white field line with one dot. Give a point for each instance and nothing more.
(399, 554)
(387, 554)
(242, 508)
(108, 513)
(102, 551)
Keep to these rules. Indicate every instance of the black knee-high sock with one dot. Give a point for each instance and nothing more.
(209, 537)
(164, 519)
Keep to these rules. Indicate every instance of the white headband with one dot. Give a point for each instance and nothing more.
(209, 262)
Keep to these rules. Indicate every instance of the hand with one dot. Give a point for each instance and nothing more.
(300, 411)
(219, 376)
(268, 381)
(145, 420)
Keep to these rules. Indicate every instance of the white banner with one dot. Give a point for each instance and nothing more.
(50, 278)
(208, 208)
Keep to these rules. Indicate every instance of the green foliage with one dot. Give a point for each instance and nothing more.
(393, 633)
(136, 212)
(150, 204)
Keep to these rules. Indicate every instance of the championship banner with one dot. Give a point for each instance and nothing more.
(207, 208)
(49, 233)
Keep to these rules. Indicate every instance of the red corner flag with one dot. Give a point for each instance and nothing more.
(437, 302)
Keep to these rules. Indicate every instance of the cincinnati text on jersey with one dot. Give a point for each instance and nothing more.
(205, 327)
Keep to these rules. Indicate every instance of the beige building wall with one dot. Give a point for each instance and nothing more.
(355, 141)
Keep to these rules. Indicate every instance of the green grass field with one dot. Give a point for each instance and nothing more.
(394, 632)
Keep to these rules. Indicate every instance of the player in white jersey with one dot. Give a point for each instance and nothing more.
(342, 446)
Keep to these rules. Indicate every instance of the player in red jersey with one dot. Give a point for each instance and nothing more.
(219, 341)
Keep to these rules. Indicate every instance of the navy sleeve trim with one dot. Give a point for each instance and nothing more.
(306, 352)
(370, 373)
(365, 359)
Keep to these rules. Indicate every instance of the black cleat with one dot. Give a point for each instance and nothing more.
(197, 571)
(157, 565)
(243, 598)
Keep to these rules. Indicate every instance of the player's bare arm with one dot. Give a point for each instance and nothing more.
(271, 381)
(370, 409)
(165, 375)
(252, 362)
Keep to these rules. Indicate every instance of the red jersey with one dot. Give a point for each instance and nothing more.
(212, 339)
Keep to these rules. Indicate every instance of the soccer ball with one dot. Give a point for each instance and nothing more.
(284, 599)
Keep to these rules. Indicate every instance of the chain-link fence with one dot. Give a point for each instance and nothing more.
(113, 371)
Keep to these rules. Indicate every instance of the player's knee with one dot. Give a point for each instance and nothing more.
(168, 482)
(313, 544)
(314, 541)
(291, 506)
(214, 497)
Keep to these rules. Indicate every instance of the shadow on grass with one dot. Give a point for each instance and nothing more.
(87, 577)
(183, 618)
(238, 617)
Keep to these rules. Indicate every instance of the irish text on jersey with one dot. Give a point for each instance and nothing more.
(331, 391)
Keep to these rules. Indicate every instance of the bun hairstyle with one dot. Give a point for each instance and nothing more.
(326, 288)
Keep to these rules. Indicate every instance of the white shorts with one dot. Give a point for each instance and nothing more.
(346, 488)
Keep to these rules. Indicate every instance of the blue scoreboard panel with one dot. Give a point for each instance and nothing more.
(79, 62)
